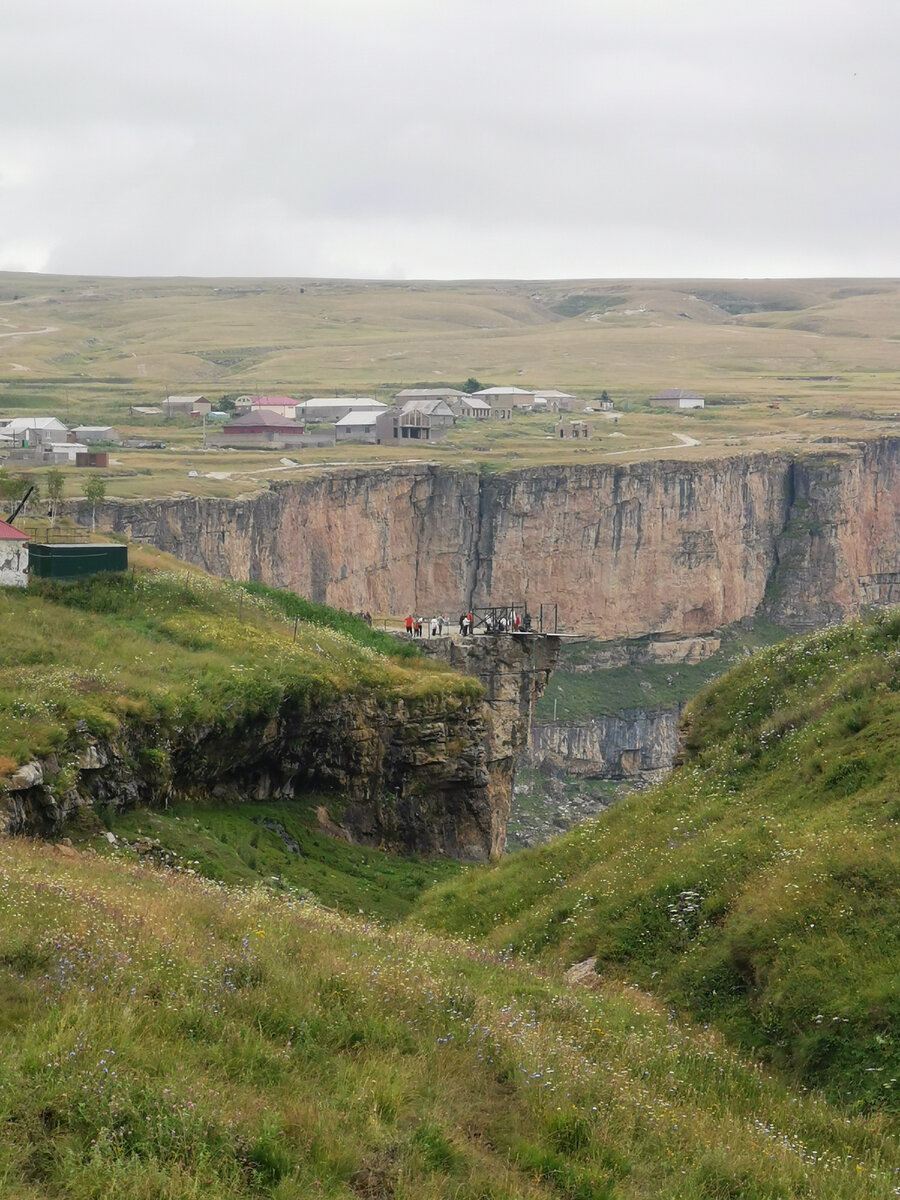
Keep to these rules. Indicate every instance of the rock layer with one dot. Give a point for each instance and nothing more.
(664, 547)
(637, 745)
(430, 776)
(514, 669)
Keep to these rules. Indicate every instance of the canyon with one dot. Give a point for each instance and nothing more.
(673, 547)
(666, 551)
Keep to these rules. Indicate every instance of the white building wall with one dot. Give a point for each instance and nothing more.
(13, 563)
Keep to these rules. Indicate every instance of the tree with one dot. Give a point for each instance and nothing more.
(55, 484)
(14, 487)
(94, 493)
(471, 385)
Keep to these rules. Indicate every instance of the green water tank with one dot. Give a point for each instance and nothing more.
(73, 561)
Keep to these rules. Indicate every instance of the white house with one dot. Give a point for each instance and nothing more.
(33, 429)
(13, 556)
(676, 398)
(356, 427)
(70, 450)
(96, 433)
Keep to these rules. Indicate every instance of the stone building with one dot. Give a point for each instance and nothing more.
(417, 420)
(573, 429)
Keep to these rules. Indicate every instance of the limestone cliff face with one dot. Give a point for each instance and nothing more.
(658, 547)
(637, 745)
(514, 669)
(406, 779)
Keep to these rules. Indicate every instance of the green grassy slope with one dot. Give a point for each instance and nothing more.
(165, 1036)
(179, 647)
(279, 843)
(581, 693)
(759, 887)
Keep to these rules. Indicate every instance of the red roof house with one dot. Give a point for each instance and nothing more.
(13, 556)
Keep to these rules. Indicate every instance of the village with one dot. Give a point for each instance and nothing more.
(261, 422)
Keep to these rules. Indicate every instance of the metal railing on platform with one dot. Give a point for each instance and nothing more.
(68, 535)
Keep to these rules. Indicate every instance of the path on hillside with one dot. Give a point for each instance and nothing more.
(29, 332)
(684, 439)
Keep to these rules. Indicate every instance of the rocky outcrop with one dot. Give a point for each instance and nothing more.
(514, 670)
(646, 651)
(408, 778)
(428, 776)
(637, 745)
(662, 547)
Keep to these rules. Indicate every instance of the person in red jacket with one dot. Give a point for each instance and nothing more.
(409, 625)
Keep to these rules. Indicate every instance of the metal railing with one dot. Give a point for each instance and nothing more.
(59, 535)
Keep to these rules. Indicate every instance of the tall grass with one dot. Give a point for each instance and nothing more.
(162, 1035)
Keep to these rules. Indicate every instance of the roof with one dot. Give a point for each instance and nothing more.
(92, 428)
(554, 394)
(503, 391)
(255, 418)
(146, 409)
(431, 408)
(274, 401)
(17, 424)
(351, 402)
(9, 533)
(473, 402)
(358, 418)
(183, 399)
(428, 393)
(676, 394)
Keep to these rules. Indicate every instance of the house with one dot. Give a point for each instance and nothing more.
(573, 429)
(259, 429)
(417, 420)
(285, 406)
(190, 406)
(30, 431)
(676, 398)
(441, 393)
(469, 407)
(553, 400)
(356, 427)
(95, 433)
(328, 409)
(69, 451)
(506, 400)
(13, 556)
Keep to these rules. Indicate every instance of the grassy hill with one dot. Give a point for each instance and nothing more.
(170, 644)
(162, 1035)
(780, 362)
(82, 339)
(758, 889)
(198, 1009)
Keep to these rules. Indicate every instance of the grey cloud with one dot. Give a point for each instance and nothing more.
(442, 139)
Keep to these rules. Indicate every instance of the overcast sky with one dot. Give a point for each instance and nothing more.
(457, 139)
